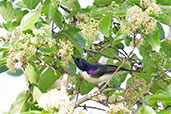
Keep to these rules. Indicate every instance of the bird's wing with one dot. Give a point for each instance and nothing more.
(101, 70)
(105, 69)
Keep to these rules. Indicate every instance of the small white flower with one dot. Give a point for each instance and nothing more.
(136, 19)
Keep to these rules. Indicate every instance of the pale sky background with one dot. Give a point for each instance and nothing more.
(11, 86)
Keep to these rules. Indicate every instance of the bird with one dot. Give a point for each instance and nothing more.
(97, 73)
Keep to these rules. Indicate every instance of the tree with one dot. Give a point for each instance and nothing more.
(43, 35)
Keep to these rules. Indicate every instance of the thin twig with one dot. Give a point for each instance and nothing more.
(85, 106)
(97, 52)
(152, 82)
(27, 78)
(42, 63)
(113, 89)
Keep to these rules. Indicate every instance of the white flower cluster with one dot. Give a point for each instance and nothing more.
(90, 29)
(115, 109)
(40, 32)
(136, 19)
(24, 45)
(146, 3)
(65, 50)
(55, 99)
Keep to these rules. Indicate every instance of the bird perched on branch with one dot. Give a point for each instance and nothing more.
(97, 73)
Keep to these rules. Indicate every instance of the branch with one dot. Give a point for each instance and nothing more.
(152, 82)
(98, 52)
(113, 89)
(29, 86)
(117, 101)
(91, 94)
(65, 9)
(85, 107)
(42, 63)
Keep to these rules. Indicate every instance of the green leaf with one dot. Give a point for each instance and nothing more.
(58, 19)
(87, 9)
(105, 24)
(72, 68)
(119, 37)
(6, 10)
(36, 94)
(21, 104)
(21, 4)
(75, 5)
(19, 14)
(161, 32)
(160, 97)
(3, 68)
(31, 73)
(47, 79)
(36, 112)
(117, 80)
(45, 7)
(163, 18)
(30, 19)
(18, 72)
(149, 64)
(153, 39)
(164, 112)
(31, 4)
(146, 110)
(85, 87)
(80, 39)
(102, 2)
(9, 26)
(72, 38)
(163, 2)
(151, 103)
(98, 11)
(33, 112)
(121, 10)
(51, 12)
(166, 10)
(166, 47)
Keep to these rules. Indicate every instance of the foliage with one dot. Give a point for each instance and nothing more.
(43, 35)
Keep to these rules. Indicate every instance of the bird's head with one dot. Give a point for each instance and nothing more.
(81, 63)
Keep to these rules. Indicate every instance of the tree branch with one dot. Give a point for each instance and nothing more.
(85, 107)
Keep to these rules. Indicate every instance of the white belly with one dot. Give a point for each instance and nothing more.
(103, 78)
(87, 77)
